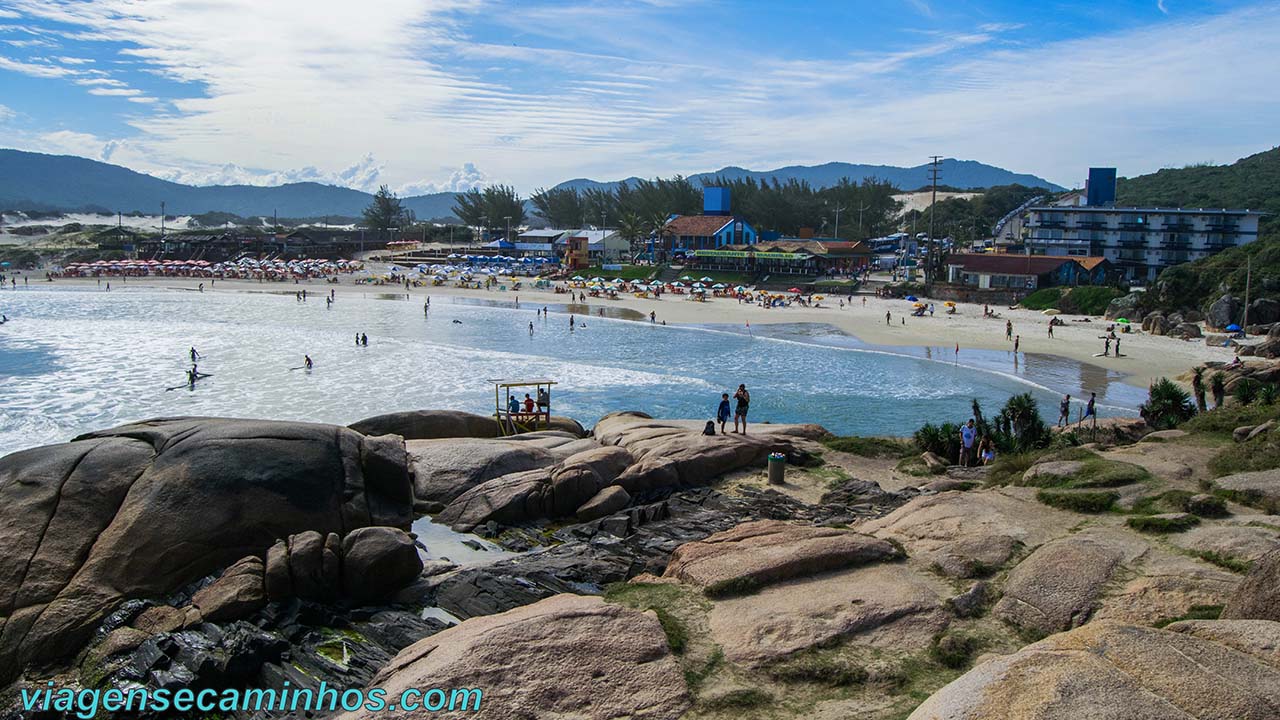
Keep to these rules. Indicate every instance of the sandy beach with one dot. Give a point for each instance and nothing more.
(1145, 357)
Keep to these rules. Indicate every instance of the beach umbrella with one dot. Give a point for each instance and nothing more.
(698, 286)
(1233, 328)
(719, 286)
(1126, 321)
(912, 298)
(677, 284)
(919, 304)
(819, 297)
(578, 278)
(741, 288)
(949, 304)
(707, 279)
(685, 277)
(796, 290)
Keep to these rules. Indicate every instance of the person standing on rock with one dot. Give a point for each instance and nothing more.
(1064, 411)
(722, 413)
(968, 434)
(743, 399)
(1090, 411)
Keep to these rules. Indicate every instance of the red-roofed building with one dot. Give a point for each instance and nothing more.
(1000, 271)
(706, 232)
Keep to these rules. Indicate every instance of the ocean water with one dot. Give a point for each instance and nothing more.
(79, 359)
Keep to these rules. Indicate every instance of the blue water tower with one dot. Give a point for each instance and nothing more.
(1100, 189)
(715, 201)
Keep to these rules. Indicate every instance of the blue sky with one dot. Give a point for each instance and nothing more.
(430, 95)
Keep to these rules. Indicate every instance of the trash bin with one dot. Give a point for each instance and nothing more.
(777, 468)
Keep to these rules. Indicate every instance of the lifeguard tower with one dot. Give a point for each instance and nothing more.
(513, 421)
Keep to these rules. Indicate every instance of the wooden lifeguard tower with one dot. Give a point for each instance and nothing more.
(514, 422)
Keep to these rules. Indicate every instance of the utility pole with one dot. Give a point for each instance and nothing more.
(1248, 278)
(861, 207)
(162, 213)
(508, 236)
(933, 176)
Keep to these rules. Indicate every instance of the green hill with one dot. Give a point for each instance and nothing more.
(1252, 182)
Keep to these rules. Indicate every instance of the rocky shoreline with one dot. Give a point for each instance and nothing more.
(656, 574)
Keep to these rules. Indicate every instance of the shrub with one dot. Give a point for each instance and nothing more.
(1225, 562)
(1010, 468)
(1268, 393)
(1082, 502)
(943, 440)
(1260, 453)
(955, 649)
(1197, 612)
(816, 666)
(1089, 299)
(1167, 405)
(1226, 419)
(1042, 299)
(1218, 385)
(1246, 391)
(741, 698)
(1158, 524)
(1197, 387)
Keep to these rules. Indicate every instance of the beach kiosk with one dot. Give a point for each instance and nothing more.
(509, 408)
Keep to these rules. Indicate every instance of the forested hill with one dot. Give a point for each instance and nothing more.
(1252, 182)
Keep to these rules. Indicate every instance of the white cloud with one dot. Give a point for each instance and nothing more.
(6, 113)
(74, 60)
(1162, 7)
(40, 70)
(462, 179)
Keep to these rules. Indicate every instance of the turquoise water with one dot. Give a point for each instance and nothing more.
(74, 360)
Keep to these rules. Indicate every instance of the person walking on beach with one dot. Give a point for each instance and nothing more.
(722, 412)
(968, 434)
(886, 317)
(530, 329)
(1106, 347)
(1017, 340)
(653, 316)
(743, 399)
(930, 309)
(1051, 329)
(572, 322)
(1064, 411)
(1008, 329)
(1117, 347)
(306, 362)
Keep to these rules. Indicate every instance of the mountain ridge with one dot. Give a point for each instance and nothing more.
(38, 181)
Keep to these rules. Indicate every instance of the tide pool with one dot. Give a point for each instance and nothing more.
(75, 360)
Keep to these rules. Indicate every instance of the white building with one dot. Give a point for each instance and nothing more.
(602, 245)
(1139, 242)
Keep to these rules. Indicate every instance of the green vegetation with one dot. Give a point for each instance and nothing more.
(1158, 524)
(1260, 453)
(628, 272)
(826, 667)
(969, 220)
(1083, 300)
(913, 466)
(1252, 182)
(19, 258)
(1017, 428)
(489, 208)
(872, 447)
(734, 586)
(741, 698)
(1095, 471)
(1009, 469)
(1225, 419)
(386, 212)
(663, 600)
(1197, 612)
(1246, 391)
(1225, 562)
(955, 649)
(1079, 501)
(1167, 405)
(695, 676)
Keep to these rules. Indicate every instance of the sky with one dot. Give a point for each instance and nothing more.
(446, 95)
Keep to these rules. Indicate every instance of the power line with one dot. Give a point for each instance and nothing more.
(934, 171)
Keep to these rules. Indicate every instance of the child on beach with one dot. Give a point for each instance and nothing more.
(722, 413)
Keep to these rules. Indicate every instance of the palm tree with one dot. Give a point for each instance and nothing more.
(632, 229)
(1197, 386)
(1167, 405)
(1218, 385)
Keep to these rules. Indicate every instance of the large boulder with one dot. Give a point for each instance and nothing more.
(606, 502)
(377, 561)
(1258, 486)
(144, 509)
(1224, 311)
(1057, 587)
(1258, 597)
(763, 552)
(1186, 330)
(1195, 670)
(433, 424)
(677, 453)
(1125, 307)
(1264, 311)
(565, 657)
(550, 492)
(884, 606)
(444, 469)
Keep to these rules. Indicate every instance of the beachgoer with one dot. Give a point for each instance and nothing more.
(722, 413)
(513, 405)
(364, 340)
(930, 309)
(967, 435)
(201, 287)
(1017, 340)
(1050, 329)
(1008, 329)
(653, 316)
(986, 451)
(530, 329)
(544, 399)
(572, 322)
(306, 362)
(1106, 347)
(1117, 347)
(1064, 411)
(743, 399)
(1090, 410)
(194, 355)
(357, 339)
(886, 317)
(528, 404)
